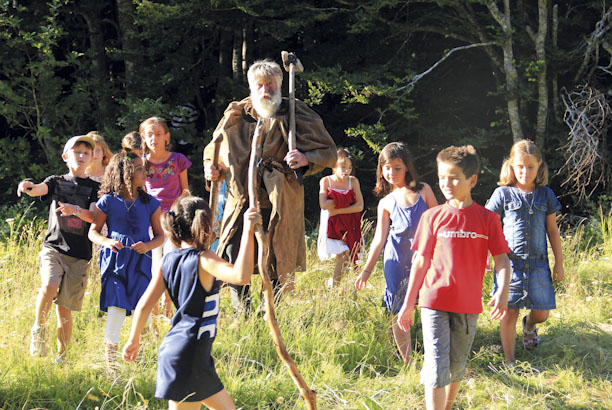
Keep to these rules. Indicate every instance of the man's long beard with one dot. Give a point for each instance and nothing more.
(266, 107)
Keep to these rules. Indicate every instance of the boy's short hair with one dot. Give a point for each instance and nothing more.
(72, 142)
(465, 157)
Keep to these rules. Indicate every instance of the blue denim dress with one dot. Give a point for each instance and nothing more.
(524, 220)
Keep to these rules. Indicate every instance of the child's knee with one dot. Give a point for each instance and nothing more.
(539, 316)
(49, 291)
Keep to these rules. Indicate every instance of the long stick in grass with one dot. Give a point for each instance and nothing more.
(263, 264)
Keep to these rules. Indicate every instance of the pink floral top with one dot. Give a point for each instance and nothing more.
(163, 181)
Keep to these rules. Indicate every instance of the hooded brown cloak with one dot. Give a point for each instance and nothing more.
(279, 189)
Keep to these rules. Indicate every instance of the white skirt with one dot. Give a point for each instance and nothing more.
(328, 248)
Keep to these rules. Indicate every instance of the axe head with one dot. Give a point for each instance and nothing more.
(291, 58)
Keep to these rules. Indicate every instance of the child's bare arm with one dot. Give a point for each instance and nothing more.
(143, 310)
(240, 272)
(158, 235)
(32, 189)
(383, 221)
(499, 301)
(183, 179)
(324, 201)
(94, 235)
(65, 209)
(357, 206)
(428, 196)
(552, 230)
(420, 266)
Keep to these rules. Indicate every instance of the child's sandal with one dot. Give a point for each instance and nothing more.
(531, 340)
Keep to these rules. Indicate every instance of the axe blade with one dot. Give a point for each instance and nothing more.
(290, 58)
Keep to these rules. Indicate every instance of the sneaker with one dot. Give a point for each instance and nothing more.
(38, 343)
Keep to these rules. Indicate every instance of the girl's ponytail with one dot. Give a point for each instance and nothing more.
(201, 227)
(189, 220)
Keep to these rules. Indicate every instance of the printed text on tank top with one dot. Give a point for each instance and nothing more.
(211, 311)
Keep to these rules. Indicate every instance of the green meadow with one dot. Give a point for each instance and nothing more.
(339, 338)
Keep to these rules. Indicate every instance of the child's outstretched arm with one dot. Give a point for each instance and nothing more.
(357, 206)
(31, 188)
(324, 201)
(240, 272)
(86, 215)
(499, 301)
(143, 310)
(552, 230)
(383, 221)
(420, 266)
(158, 235)
(95, 235)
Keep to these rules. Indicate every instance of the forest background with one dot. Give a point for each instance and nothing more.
(430, 73)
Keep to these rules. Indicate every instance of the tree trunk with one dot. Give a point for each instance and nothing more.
(247, 48)
(129, 43)
(100, 82)
(540, 45)
(512, 83)
(237, 55)
(555, 83)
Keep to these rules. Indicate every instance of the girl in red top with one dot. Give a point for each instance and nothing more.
(341, 205)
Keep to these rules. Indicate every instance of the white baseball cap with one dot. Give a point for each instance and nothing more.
(78, 138)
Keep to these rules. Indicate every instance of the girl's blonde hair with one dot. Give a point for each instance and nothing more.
(389, 152)
(131, 141)
(520, 148)
(119, 175)
(152, 121)
(99, 140)
(344, 154)
(188, 220)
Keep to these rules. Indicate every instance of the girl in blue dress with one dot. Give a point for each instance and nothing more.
(125, 256)
(191, 273)
(404, 199)
(528, 211)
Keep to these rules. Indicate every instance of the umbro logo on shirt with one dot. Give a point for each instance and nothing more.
(461, 234)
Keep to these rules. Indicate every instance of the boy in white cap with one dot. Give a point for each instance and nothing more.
(66, 249)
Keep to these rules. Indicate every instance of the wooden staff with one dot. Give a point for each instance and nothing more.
(263, 264)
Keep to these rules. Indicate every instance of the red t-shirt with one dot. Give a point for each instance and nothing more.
(457, 241)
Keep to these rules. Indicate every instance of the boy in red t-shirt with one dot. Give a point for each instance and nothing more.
(451, 246)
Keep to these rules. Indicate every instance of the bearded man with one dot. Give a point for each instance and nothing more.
(281, 196)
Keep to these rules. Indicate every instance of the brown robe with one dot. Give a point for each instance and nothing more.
(284, 194)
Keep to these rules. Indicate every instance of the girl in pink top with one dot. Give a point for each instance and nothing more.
(166, 177)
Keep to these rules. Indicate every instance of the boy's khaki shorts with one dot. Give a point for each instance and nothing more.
(69, 272)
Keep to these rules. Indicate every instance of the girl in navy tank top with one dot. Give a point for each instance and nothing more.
(191, 273)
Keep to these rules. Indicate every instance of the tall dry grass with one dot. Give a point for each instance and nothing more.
(339, 338)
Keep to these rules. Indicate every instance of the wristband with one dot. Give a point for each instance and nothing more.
(78, 208)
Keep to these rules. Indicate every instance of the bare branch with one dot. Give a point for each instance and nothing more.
(417, 77)
(588, 116)
(592, 43)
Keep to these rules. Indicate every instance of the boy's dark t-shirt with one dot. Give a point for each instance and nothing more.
(68, 234)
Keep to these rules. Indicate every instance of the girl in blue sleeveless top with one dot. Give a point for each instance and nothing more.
(404, 199)
(191, 273)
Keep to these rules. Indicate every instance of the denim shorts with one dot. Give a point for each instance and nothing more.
(531, 285)
(447, 338)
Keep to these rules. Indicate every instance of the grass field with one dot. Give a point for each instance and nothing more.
(340, 340)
